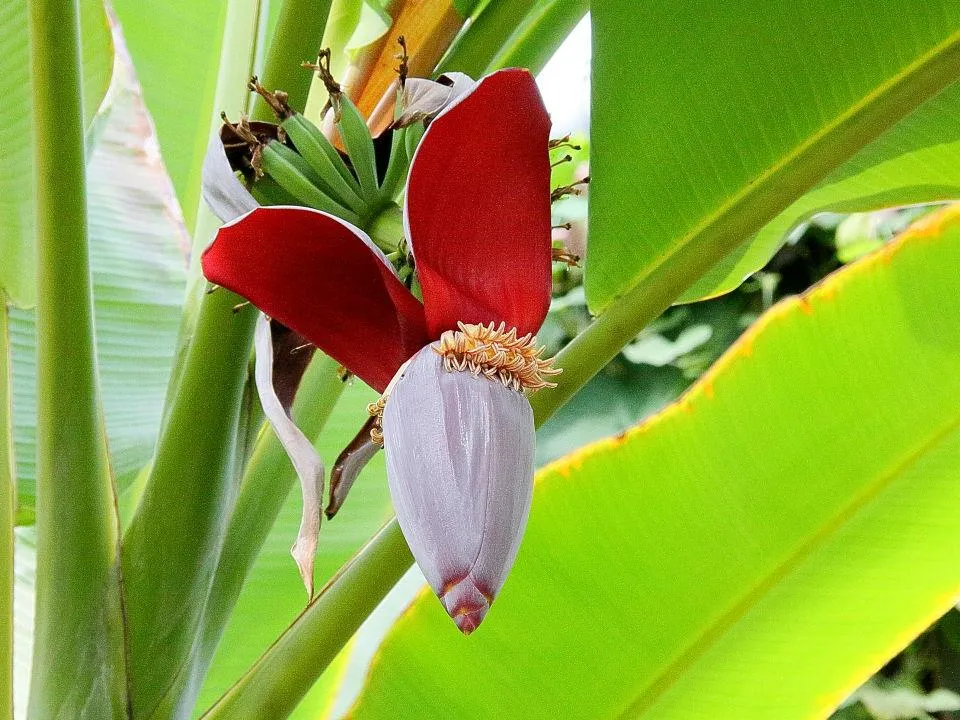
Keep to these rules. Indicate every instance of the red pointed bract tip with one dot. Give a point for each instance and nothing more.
(466, 604)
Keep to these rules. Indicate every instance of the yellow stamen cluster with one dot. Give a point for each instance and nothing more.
(484, 350)
(496, 354)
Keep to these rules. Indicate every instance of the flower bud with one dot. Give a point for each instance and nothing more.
(460, 453)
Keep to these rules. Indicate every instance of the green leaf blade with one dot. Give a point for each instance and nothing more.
(138, 250)
(8, 484)
(728, 126)
(179, 87)
(917, 161)
(759, 523)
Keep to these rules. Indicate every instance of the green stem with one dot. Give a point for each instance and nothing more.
(241, 33)
(298, 36)
(600, 342)
(78, 655)
(486, 35)
(535, 42)
(274, 686)
(172, 545)
(8, 485)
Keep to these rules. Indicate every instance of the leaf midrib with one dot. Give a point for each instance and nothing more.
(677, 668)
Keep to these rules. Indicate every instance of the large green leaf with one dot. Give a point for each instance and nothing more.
(273, 594)
(17, 273)
(137, 246)
(731, 112)
(917, 161)
(757, 550)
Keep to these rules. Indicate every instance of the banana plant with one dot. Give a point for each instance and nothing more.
(293, 233)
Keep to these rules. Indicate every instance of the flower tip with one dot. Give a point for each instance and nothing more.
(468, 622)
(466, 604)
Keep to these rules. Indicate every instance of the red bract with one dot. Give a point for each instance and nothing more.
(478, 211)
(325, 279)
(477, 215)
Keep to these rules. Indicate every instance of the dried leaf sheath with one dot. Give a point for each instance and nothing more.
(302, 454)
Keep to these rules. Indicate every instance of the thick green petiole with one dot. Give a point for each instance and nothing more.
(79, 660)
(297, 36)
(484, 37)
(263, 489)
(538, 38)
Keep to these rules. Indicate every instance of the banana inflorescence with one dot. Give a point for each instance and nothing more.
(295, 163)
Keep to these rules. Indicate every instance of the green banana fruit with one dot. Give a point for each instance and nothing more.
(294, 175)
(412, 139)
(267, 191)
(324, 160)
(359, 145)
(397, 167)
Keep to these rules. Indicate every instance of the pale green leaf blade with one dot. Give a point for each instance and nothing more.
(8, 486)
(17, 273)
(759, 523)
(917, 161)
(96, 47)
(715, 132)
(138, 250)
(179, 80)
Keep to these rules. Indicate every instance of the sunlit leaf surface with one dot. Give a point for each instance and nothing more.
(179, 79)
(709, 120)
(918, 161)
